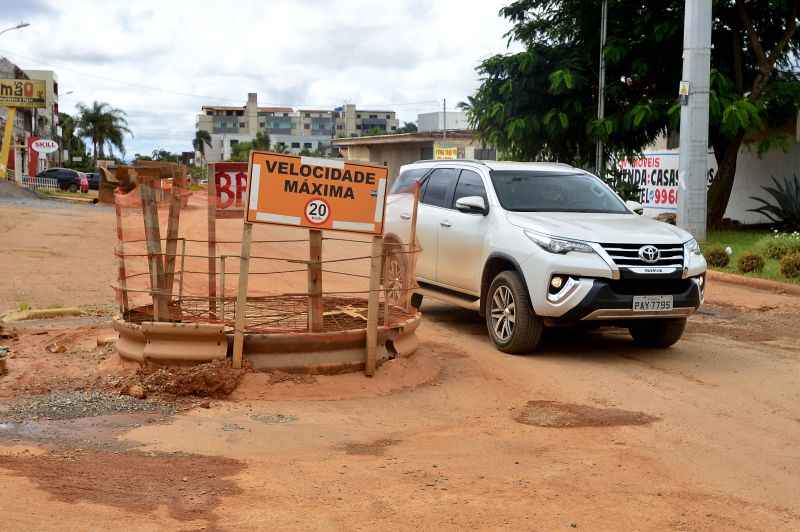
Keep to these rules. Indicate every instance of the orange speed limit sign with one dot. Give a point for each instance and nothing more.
(316, 193)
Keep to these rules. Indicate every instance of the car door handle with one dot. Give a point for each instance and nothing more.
(405, 216)
(445, 223)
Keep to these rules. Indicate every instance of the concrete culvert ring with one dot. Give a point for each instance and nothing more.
(552, 414)
(394, 274)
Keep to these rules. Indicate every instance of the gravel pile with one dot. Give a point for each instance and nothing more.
(76, 404)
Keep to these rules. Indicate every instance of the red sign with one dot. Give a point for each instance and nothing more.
(230, 180)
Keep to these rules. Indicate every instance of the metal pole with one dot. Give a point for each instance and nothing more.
(599, 162)
(692, 193)
(444, 119)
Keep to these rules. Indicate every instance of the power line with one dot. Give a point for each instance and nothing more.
(55, 66)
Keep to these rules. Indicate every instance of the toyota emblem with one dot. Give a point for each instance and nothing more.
(649, 254)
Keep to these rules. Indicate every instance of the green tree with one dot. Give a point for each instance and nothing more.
(281, 147)
(408, 127)
(161, 154)
(262, 141)
(540, 103)
(241, 151)
(69, 140)
(202, 138)
(104, 126)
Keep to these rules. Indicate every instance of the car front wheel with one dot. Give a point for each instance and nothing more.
(73, 187)
(512, 325)
(658, 333)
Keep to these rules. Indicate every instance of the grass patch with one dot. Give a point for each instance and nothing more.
(743, 241)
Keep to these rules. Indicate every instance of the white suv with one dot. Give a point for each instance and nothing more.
(530, 245)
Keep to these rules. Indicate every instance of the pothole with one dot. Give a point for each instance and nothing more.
(566, 415)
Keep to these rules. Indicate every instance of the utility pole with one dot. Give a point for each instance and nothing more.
(444, 119)
(599, 161)
(692, 190)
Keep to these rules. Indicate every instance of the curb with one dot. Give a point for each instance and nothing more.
(761, 284)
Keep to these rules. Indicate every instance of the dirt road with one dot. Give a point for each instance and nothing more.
(592, 433)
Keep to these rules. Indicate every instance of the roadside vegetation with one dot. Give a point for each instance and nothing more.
(768, 254)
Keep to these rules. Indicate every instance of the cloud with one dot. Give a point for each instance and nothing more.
(12, 11)
(161, 61)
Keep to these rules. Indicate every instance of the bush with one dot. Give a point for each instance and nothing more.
(790, 265)
(750, 262)
(786, 206)
(779, 245)
(716, 257)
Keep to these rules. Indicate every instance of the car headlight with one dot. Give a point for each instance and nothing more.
(558, 245)
(692, 248)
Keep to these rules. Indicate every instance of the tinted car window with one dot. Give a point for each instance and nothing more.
(439, 191)
(469, 184)
(533, 191)
(406, 179)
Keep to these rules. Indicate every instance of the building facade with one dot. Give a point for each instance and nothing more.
(440, 120)
(18, 160)
(296, 129)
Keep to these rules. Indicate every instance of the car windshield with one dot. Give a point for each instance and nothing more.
(536, 191)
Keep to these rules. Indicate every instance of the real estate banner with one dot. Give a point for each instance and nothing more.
(656, 174)
(29, 93)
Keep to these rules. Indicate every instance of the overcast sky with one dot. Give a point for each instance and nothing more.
(161, 60)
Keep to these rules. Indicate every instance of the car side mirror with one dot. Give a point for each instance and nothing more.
(635, 206)
(472, 204)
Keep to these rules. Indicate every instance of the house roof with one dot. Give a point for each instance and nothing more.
(416, 137)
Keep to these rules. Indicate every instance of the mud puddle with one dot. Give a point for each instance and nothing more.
(566, 415)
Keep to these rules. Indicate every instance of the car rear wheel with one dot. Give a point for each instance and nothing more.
(394, 274)
(512, 325)
(659, 333)
(73, 187)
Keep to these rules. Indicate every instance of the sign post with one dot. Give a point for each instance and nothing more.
(318, 194)
(8, 133)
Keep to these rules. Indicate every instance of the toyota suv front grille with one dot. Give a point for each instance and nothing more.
(645, 255)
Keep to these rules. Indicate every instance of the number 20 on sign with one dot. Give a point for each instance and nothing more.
(316, 193)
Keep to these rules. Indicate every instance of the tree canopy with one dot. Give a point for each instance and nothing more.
(541, 102)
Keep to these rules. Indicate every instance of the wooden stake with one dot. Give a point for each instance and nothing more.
(315, 305)
(153, 236)
(411, 259)
(222, 288)
(241, 297)
(183, 267)
(121, 274)
(212, 243)
(172, 230)
(373, 305)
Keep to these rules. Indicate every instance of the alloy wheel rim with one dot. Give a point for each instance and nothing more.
(503, 313)
(393, 282)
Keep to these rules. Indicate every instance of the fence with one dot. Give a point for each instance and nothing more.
(48, 184)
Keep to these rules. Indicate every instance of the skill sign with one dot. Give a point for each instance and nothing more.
(316, 193)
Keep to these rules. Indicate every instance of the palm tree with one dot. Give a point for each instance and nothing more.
(201, 139)
(104, 126)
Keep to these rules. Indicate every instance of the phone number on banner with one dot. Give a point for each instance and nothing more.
(661, 197)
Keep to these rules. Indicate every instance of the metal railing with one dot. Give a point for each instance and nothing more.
(49, 184)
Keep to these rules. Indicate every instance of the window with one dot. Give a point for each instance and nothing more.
(340, 126)
(295, 144)
(306, 126)
(307, 145)
(394, 128)
(373, 116)
(241, 124)
(535, 191)
(469, 184)
(234, 142)
(358, 116)
(228, 113)
(389, 117)
(307, 115)
(262, 125)
(439, 191)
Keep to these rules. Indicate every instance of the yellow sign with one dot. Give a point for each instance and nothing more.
(316, 193)
(29, 93)
(442, 153)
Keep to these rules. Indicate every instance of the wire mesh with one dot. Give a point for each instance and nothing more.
(173, 267)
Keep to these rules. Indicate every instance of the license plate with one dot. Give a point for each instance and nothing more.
(650, 303)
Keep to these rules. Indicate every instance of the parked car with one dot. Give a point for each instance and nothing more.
(94, 180)
(531, 245)
(67, 178)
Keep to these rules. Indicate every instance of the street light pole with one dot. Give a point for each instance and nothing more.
(599, 161)
(17, 27)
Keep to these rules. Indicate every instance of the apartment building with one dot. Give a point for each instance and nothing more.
(47, 118)
(296, 129)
